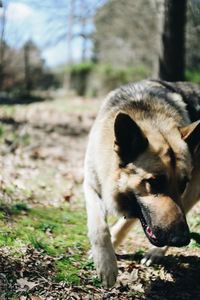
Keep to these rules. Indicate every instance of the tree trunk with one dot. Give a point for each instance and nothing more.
(172, 52)
(2, 43)
(27, 69)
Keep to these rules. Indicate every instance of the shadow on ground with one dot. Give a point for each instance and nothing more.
(185, 274)
(185, 271)
(23, 99)
(67, 129)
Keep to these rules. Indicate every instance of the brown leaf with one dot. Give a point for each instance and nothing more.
(20, 268)
(35, 298)
(134, 275)
(67, 197)
(131, 267)
(23, 282)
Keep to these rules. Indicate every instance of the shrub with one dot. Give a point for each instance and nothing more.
(88, 78)
(192, 76)
(78, 76)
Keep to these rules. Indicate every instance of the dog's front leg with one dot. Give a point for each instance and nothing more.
(99, 235)
(120, 230)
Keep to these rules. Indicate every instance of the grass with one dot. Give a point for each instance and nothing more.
(52, 230)
(59, 222)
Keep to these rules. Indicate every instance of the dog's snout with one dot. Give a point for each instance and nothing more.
(179, 240)
(180, 236)
(176, 236)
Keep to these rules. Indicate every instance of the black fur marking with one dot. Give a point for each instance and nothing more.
(190, 94)
(128, 205)
(158, 184)
(193, 139)
(172, 158)
(130, 140)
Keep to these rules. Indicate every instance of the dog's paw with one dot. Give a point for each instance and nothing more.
(108, 274)
(106, 266)
(154, 255)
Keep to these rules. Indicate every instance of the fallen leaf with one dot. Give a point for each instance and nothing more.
(23, 282)
(138, 288)
(67, 197)
(35, 298)
(131, 267)
(134, 275)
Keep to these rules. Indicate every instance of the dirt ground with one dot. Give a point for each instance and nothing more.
(52, 135)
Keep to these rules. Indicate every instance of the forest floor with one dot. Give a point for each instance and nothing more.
(43, 233)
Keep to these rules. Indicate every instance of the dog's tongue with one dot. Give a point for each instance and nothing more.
(150, 233)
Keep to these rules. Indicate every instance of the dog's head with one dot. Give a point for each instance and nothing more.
(155, 167)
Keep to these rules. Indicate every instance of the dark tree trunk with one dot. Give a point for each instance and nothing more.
(2, 45)
(27, 69)
(172, 54)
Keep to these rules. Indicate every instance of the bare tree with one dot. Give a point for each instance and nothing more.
(2, 39)
(172, 51)
(27, 68)
(68, 20)
(70, 29)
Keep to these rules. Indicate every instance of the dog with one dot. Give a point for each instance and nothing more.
(142, 161)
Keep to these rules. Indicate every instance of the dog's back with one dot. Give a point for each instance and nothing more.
(188, 95)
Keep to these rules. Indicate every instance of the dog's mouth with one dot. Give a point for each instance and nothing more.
(131, 207)
(144, 216)
(148, 231)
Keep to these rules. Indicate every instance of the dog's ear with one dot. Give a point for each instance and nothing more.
(130, 141)
(191, 135)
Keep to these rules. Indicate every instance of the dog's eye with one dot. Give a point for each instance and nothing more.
(183, 184)
(157, 184)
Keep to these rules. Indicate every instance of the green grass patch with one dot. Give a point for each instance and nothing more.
(96, 282)
(54, 231)
(2, 215)
(195, 244)
(194, 224)
(18, 207)
(68, 271)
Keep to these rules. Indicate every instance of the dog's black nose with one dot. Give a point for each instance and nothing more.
(179, 240)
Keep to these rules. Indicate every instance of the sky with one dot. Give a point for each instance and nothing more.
(26, 22)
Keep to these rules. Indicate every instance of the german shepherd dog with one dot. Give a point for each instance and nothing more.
(142, 161)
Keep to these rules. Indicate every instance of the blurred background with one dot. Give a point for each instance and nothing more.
(89, 47)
